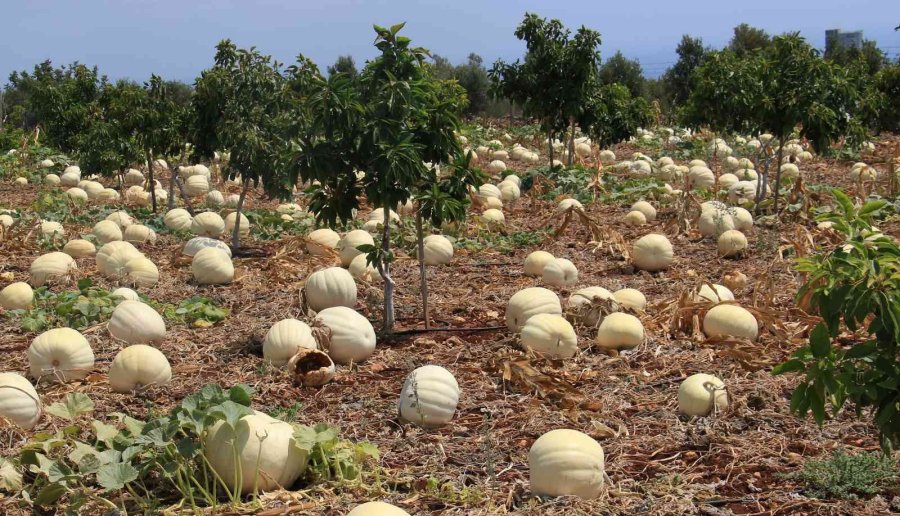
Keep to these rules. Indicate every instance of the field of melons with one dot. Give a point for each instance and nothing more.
(602, 341)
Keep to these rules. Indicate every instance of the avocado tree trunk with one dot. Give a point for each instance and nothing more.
(384, 268)
(423, 273)
(571, 156)
(550, 143)
(152, 182)
(236, 233)
(778, 170)
(177, 182)
(172, 177)
(763, 181)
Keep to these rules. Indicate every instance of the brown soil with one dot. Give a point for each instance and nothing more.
(659, 462)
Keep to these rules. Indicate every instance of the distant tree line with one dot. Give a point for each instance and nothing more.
(669, 93)
(673, 89)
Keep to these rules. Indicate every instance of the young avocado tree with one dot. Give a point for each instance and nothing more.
(852, 353)
(382, 124)
(158, 119)
(729, 83)
(62, 101)
(610, 114)
(555, 76)
(108, 145)
(783, 87)
(445, 102)
(239, 105)
(443, 199)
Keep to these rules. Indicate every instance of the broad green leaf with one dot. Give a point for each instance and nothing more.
(114, 476)
(187, 447)
(304, 437)
(59, 471)
(230, 412)
(817, 406)
(73, 405)
(845, 202)
(367, 449)
(10, 476)
(49, 494)
(89, 464)
(820, 341)
(240, 394)
(326, 435)
(788, 367)
(105, 433)
(80, 450)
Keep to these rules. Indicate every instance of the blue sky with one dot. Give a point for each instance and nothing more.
(134, 38)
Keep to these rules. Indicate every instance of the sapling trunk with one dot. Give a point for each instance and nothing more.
(184, 196)
(778, 170)
(550, 145)
(384, 269)
(423, 273)
(152, 182)
(172, 176)
(763, 182)
(175, 180)
(571, 141)
(236, 233)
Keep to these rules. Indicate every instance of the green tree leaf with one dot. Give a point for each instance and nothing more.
(820, 341)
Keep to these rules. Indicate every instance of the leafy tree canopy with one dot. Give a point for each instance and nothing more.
(691, 54)
(746, 39)
(557, 73)
(345, 65)
(620, 70)
(872, 58)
